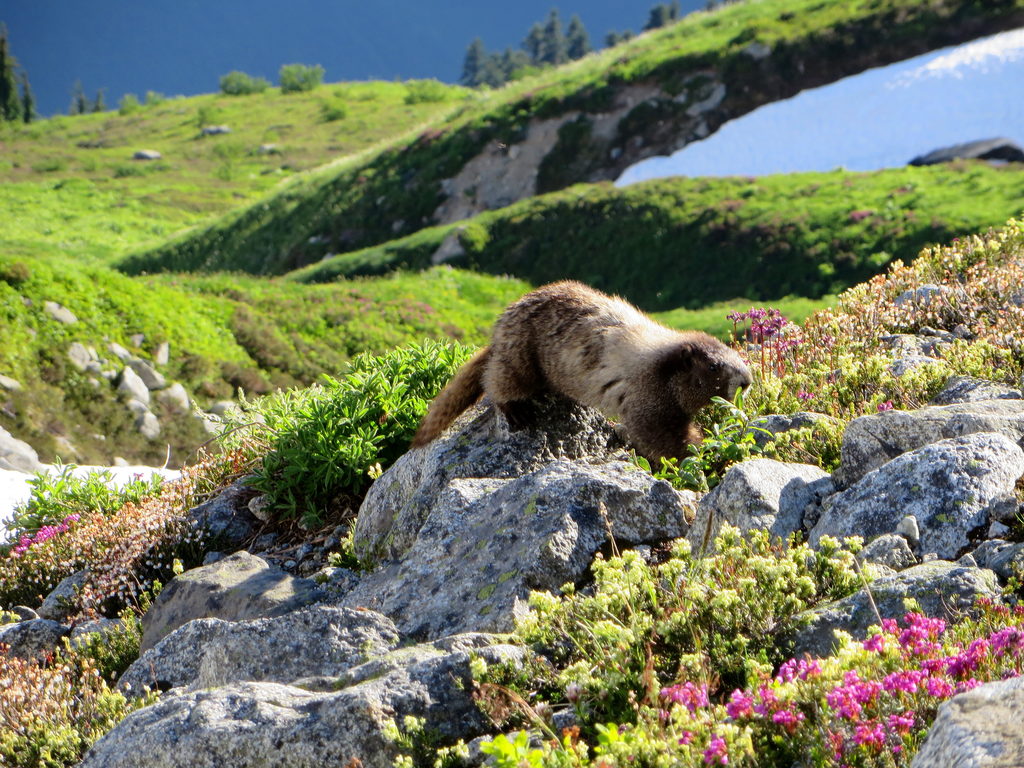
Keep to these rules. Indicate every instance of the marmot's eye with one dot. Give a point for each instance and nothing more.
(716, 367)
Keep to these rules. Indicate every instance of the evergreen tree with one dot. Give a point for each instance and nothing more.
(79, 102)
(28, 101)
(577, 41)
(98, 104)
(534, 43)
(10, 104)
(553, 44)
(512, 61)
(473, 64)
(492, 73)
(613, 38)
(663, 14)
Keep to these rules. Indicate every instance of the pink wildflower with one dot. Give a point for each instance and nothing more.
(886, 406)
(870, 734)
(689, 695)
(741, 704)
(788, 719)
(717, 751)
(875, 644)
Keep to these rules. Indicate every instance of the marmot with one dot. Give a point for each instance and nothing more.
(600, 351)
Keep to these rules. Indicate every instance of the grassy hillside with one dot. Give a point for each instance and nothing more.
(689, 242)
(395, 191)
(226, 333)
(71, 185)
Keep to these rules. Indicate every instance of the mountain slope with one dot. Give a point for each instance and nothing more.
(585, 121)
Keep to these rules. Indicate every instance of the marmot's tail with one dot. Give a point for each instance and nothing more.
(461, 392)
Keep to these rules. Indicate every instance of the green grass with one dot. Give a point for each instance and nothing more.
(684, 242)
(395, 191)
(74, 187)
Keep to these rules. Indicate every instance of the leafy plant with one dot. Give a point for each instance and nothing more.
(300, 77)
(343, 429)
(236, 83)
(422, 91)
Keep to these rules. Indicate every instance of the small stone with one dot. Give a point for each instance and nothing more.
(24, 613)
(929, 557)
(133, 386)
(967, 561)
(260, 508)
(79, 356)
(998, 530)
(136, 339)
(146, 154)
(149, 375)
(908, 529)
(148, 425)
(175, 398)
(163, 353)
(119, 352)
(890, 550)
(60, 313)
(11, 385)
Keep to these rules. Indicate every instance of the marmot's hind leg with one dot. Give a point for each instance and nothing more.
(512, 378)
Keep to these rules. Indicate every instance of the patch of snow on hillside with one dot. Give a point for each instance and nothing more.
(878, 119)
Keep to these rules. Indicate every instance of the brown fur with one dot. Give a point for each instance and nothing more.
(600, 351)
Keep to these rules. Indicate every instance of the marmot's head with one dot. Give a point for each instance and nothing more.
(700, 367)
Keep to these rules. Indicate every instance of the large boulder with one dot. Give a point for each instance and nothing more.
(238, 587)
(17, 454)
(399, 502)
(346, 721)
(33, 639)
(954, 488)
(316, 641)
(967, 389)
(226, 517)
(980, 728)
(984, 149)
(487, 542)
(759, 494)
(940, 588)
(871, 441)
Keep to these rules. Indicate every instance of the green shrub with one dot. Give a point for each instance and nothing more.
(14, 272)
(237, 83)
(129, 104)
(300, 77)
(334, 438)
(718, 618)
(423, 91)
(50, 165)
(55, 495)
(331, 111)
(153, 98)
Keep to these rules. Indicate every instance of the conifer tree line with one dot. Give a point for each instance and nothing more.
(16, 100)
(546, 45)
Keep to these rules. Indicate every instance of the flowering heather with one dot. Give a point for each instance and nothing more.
(123, 551)
(972, 287)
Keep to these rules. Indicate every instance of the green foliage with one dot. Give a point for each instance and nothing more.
(129, 104)
(641, 627)
(331, 111)
(741, 237)
(237, 83)
(329, 441)
(295, 78)
(729, 437)
(60, 493)
(425, 91)
(10, 103)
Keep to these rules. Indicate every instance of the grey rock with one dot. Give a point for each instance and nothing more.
(922, 296)
(488, 541)
(79, 356)
(137, 407)
(136, 339)
(757, 50)
(119, 352)
(968, 561)
(889, 550)
(152, 378)
(398, 503)
(764, 428)
(984, 149)
(17, 454)
(148, 425)
(175, 398)
(903, 365)
(953, 488)
(146, 154)
(451, 248)
(215, 130)
(980, 728)
(60, 313)
(11, 385)
(998, 530)
(759, 494)
(238, 587)
(909, 530)
(33, 639)
(315, 641)
(252, 725)
(225, 517)
(133, 386)
(222, 407)
(940, 588)
(967, 389)
(62, 602)
(1003, 557)
(871, 441)
(23, 612)
(162, 355)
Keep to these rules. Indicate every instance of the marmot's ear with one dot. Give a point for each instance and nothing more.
(678, 359)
